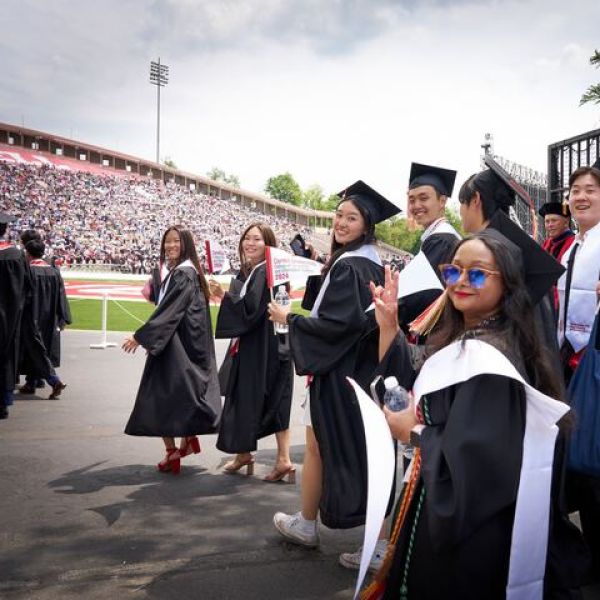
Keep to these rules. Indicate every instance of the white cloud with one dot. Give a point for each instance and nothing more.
(330, 91)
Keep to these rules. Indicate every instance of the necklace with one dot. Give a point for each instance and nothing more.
(486, 323)
(483, 325)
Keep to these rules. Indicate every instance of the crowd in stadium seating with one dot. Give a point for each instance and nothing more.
(107, 219)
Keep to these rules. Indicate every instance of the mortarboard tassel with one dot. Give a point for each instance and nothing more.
(427, 320)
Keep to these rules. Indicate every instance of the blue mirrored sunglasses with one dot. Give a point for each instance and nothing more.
(476, 276)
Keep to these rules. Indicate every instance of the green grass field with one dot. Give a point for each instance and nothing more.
(87, 314)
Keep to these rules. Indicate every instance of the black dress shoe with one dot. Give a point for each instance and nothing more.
(3, 412)
(57, 390)
(27, 389)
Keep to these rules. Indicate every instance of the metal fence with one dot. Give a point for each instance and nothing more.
(568, 155)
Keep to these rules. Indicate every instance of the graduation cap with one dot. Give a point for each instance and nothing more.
(440, 179)
(540, 269)
(378, 208)
(555, 208)
(5, 218)
(494, 189)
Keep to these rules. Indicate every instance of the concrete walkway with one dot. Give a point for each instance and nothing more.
(85, 514)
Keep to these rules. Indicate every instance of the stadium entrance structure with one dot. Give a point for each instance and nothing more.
(566, 156)
(529, 185)
(19, 144)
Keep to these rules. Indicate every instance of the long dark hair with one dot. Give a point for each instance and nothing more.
(493, 196)
(188, 252)
(268, 238)
(337, 249)
(515, 320)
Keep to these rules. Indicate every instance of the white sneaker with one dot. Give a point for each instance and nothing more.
(297, 529)
(351, 560)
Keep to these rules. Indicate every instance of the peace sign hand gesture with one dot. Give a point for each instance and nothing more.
(386, 301)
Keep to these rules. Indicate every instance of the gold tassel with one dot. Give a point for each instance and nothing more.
(427, 320)
(376, 588)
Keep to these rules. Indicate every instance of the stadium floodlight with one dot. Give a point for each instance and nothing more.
(159, 76)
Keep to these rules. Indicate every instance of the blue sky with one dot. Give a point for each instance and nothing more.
(332, 91)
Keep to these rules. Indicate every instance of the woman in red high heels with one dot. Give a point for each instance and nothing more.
(179, 391)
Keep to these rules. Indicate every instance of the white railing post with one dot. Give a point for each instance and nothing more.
(104, 343)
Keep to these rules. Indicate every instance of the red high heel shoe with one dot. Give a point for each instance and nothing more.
(169, 463)
(277, 475)
(190, 445)
(235, 465)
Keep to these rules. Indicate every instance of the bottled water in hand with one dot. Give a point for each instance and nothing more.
(396, 398)
(283, 299)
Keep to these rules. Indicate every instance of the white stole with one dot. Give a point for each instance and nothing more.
(367, 251)
(462, 361)
(440, 225)
(167, 280)
(235, 342)
(582, 295)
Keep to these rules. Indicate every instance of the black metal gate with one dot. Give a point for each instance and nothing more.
(567, 156)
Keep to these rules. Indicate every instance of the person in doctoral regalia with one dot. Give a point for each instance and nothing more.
(258, 383)
(333, 343)
(49, 313)
(557, 223)
(428, 192)
(482, 513)
(485, 200)
(14, 287)
(179, 391)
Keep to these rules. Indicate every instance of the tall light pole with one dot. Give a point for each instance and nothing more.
(159, 76)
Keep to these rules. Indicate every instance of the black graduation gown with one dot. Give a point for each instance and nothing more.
(258, 393)
(179, 391)
(456, 540)
(340, 342)
(50, 311)
(438, 249)
(13, 289)
(543, 310)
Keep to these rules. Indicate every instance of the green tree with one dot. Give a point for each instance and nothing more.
(312, 197)
(592, 94)
(233, 180)
(331, 203)
(216, 174)
(454, 220)
(169, 162)
(285, 188)
(397, 233)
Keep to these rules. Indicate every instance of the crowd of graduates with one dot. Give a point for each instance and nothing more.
(494, 336)
(33, 311)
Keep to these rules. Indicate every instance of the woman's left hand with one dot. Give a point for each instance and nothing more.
(277, 313)
(130, 345)
(401, 422)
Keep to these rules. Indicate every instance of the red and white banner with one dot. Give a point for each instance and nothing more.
(216, 257)
(283, 267)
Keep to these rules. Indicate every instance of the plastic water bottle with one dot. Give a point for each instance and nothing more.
(396, 398)
(283, 299)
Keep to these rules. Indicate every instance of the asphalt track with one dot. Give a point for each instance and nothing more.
(84, 513)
